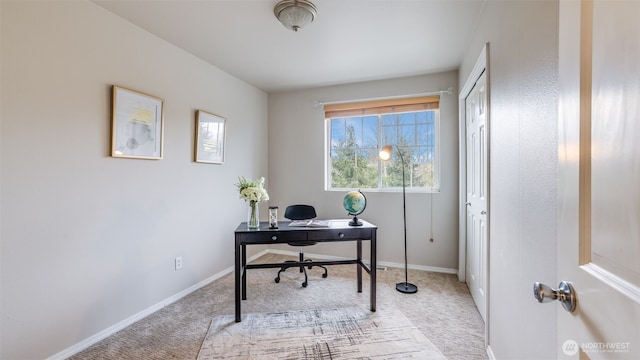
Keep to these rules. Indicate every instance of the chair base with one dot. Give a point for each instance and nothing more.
(302, 270)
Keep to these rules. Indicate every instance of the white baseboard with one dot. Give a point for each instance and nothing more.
(70, 351)
(490, 353)
(380, 263)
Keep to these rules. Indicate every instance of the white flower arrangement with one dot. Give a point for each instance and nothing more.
(252, 191)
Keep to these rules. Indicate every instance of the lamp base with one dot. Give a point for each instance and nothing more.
(407, 288)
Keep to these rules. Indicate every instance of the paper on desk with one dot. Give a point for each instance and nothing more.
(311, 223)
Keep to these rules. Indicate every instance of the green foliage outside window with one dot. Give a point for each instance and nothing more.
(353, 167)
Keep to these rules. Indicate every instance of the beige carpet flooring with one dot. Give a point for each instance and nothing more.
(442, 309)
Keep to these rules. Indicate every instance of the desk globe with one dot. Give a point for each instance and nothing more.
(355, 202)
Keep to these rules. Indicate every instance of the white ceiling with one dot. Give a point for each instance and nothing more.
(350, 40)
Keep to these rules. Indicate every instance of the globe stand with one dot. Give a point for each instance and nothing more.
(355, 222)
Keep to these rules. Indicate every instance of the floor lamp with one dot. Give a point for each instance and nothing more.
(403, 287)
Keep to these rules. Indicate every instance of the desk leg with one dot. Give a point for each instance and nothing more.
(372, 275)
(244, 271)
(359, 266)
(237, 274)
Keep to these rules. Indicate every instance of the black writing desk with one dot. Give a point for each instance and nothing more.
(339, 230)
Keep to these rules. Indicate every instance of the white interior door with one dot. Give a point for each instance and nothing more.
(476, 193)
(599, 178)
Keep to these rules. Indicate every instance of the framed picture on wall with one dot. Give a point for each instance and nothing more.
(210, 138)
(137, 123)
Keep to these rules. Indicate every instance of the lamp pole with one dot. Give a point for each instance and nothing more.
(405, 287)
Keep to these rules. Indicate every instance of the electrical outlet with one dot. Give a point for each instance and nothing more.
(178, 262)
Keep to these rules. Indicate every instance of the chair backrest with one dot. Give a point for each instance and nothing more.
(300, 212)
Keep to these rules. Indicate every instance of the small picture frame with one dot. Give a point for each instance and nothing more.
(137, 124)
(210, 138)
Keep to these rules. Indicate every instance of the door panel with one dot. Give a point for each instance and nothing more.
(476, 271)
(599, 177)
(615, 158)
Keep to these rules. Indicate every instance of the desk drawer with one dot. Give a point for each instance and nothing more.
(340, 234)
(274, 237)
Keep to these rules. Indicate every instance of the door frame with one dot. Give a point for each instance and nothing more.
(481, 65)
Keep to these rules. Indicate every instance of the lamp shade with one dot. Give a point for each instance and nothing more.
(385, 153)
(295, 14)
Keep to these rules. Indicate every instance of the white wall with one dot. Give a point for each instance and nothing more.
(523, 37)
(88, 240)
(296, 158)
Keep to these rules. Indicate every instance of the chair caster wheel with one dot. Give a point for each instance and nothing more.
(324, 275)
(277, 280)
(304, 284)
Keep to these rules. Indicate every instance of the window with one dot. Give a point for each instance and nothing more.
(357, 131)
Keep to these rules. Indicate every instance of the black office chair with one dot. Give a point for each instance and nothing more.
(300, 212)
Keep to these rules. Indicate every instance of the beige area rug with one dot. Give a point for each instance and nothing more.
(344, 333)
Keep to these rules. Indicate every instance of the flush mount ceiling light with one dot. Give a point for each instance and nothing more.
(295, 14)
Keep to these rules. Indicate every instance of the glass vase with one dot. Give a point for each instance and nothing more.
(253, 221)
